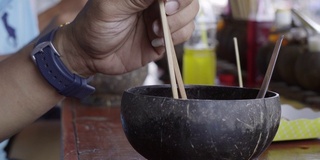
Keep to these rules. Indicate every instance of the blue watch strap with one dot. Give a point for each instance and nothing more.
(55, 72)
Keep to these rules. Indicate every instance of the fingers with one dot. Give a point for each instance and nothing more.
(183, 17)
(174, 6)
(180, 23)
(178, 37)
(183, 34)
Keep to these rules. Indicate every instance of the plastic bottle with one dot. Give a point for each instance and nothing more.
(199, 58)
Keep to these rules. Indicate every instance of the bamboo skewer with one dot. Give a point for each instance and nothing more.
(178, 74)
(236, 48)
(267, 77)
(174, 70)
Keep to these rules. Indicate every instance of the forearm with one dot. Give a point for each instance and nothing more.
(108, 37)
(25, 95)
(2, 57)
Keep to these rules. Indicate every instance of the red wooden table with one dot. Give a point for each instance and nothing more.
(95, 133)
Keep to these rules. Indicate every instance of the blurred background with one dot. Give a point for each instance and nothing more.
(256, 24)
(207, 58)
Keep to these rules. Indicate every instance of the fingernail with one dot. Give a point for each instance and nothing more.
(156, 28)
(157, 42)
(172, 7)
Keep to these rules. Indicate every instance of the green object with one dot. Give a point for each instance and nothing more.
(298, 129)
(199, 66)
(199, 59)
(298, 124)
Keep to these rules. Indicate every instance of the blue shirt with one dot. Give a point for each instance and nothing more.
(18, 26)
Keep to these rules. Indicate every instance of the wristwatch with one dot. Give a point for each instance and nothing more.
(48, 61)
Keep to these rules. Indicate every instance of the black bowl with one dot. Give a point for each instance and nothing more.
(214, 123)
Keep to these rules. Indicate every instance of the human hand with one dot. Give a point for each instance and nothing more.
(117, 36)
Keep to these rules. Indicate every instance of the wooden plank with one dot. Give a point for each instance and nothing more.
(99, 134)
(69, 145)
(303, 149)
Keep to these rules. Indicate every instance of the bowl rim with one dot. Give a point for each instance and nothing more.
(129, 91)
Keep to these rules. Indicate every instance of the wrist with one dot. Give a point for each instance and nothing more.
(52, 67)
(70, 52)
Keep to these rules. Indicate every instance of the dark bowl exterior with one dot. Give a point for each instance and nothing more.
(214, 123)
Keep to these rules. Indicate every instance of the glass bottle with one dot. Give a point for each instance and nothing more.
(199, 58)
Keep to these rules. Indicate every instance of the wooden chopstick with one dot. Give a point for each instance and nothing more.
(267, 77)
(236, 48)
(178, 74)
(174, 70)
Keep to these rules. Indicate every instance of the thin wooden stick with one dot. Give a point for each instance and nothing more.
(236, 48)
(267, 77)
(169, 49)
(178, 73)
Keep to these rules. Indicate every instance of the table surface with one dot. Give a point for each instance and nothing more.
(95, 132)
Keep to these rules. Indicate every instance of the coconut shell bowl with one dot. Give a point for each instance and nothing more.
(215, 122)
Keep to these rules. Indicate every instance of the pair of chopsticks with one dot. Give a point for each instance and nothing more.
(174, 70)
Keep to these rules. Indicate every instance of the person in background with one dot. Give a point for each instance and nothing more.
(21, 22)
(108, 36)
(18, 26)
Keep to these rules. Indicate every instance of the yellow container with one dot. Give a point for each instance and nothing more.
(199, 66)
